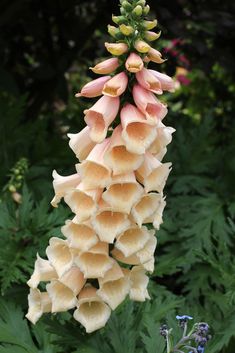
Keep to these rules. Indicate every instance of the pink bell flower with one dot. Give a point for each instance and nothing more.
(149, 81)
(93, 88)
(106, 67)
(134, 63)
(116, 85)
(167, 83)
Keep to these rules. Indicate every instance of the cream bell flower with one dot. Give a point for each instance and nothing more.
(62, 185)
(93, 88)
(80, 236)
(164, 137)
(139, 283)
(39, 303)
(113, 292)
(149, 105)
(109, 223)
(43, 272)
(81, 143)
(114, 273)
(123, 192)
(156, 217)
(73, 279)
(148, 81)
(62, 297)
(155, 56)
(100, 116)
(116, 48)
(59, 255)
(134, 63)
(95, 262)
(146, 207)
(137, 133)
(132, 240)
(141, 46)
(92, 312)
(140, 257)
(106, 67)
(83, 202)
(116, 85)
(93, 171)
(118, 158)
(153, 174)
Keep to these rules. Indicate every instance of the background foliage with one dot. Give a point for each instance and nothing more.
(46, 49)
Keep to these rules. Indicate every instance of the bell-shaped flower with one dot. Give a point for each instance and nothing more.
(100, 116)
(109, 223)
(116, 48)
(81, 143)
(95, 262)
(118, 158)
(156, 217)
(62, 297)
(39, 303)
(83, 202)
(146, 207)
(164, 137)
(73, 279)
(139, 283)
(146, 101)
(151, 36)
(155, 56)
(148, 81)
(43, 272)
(80, 236)
(141, 46)
(149, 265)
(114, 273)
(93, 88)
(92, 312)
(137, 133)
(134, 63)
(113, 292)
(123, 192)
(140, 257)
(167, 83)
(93, 171)
(62, 185)
(116, 85)
(106, 67)
(59, 255)
(132, 240)
(153, 174)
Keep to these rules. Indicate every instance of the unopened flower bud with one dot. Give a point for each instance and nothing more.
(113, 31)
(137, 10)
(151, 36)
(141, 2)
(150, 24)
(126, 30)
(146, 10)
(116, 48)
(118, 19)
(127, 6)
(141, 46)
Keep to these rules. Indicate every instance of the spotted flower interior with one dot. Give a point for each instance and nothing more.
(116, 194)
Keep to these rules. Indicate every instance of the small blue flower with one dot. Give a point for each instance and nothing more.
(184, 317)
(200, 349)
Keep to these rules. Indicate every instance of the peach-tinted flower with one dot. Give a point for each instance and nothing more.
(116, 48)
(43, 271)
(100, 116)
(117, 157)
(93, 88)
(146, 101)
(63, 185)
(95, 262)
(155, 56)
(62, 297)
(116, 85)
(83, 202)
(132, 240)
(80, 236)
(139, 282)
(148, 81)
(123, 192)
(81, 143)
(73, 279)
(59, 255)
(39, 303)
(156, 217)
(137, 133)
(141, 46)
(114, 273)
(153, 174)
(134, 63)
(167, 83)
(92, 312)
(151, 36)
(93, 171)
(109, 223)
(146, 207)
(106, 67)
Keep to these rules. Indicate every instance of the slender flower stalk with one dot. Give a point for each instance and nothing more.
(118, 187)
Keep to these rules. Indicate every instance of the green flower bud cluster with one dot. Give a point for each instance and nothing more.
(132, 25)
(17, 176)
